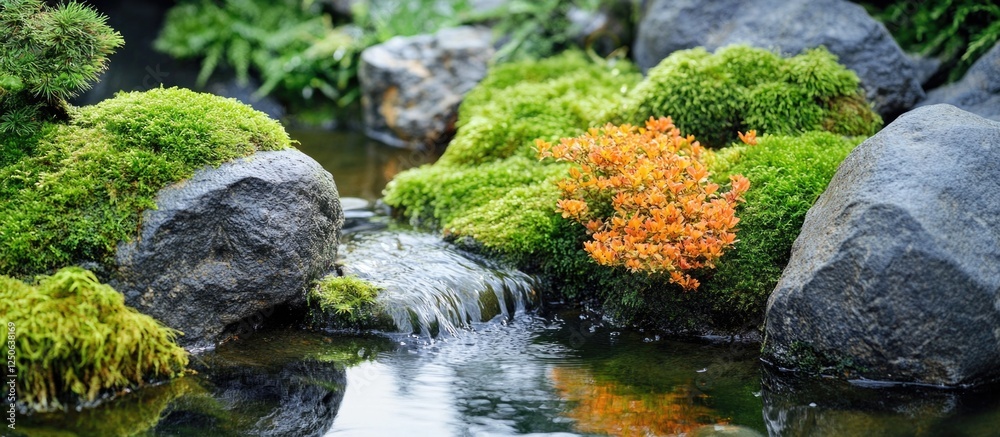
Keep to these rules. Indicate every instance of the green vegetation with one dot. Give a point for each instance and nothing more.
(347, 300)
(738, 88)
(81, 187)
(489, 192)
(75, 336)
(301, 54)
(49, 55)
(957, 32)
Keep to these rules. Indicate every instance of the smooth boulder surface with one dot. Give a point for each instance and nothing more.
(896, 273)
(411, 86)
(978, 91)
(861, 43)
(232, 243)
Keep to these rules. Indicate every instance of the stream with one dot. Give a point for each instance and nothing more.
(479, 351)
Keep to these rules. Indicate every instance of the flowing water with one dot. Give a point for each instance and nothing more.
(478, 351)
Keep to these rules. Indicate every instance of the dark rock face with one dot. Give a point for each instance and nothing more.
(897, 269)
(978, 91)
(862, 44)
(411, 87)
(231, 243)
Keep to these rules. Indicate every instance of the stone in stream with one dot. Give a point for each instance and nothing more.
(978, 91)
(229, 245)
(896, 272)
(411, 86)
(861, 43)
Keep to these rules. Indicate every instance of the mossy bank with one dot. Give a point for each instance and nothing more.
(490, 192)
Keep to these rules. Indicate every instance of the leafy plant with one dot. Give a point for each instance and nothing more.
(50, 54)
(84, 185)
(296, 49)
(739, 88)
(75, 337)
(955, 31)
(644, 196)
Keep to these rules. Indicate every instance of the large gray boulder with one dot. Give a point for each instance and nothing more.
(978, 91)
(863, 44)
(232, 243)
(896, 273)
(411, 86)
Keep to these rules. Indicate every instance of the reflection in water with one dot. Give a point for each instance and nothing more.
(360, 166)
(606, 407)
(796, 406)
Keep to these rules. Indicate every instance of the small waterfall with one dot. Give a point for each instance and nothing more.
(433, 287)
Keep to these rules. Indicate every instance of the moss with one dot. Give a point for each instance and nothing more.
(81, 188)
(550, 99)
(787, 174)
(74, 337)
(490, 193)
(346, 301)
(712, 96)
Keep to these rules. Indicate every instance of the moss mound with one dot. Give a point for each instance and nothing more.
(738, 88)
(490, 193)
(347, 302)
(77, 190)
(75, 336)
(519, 102)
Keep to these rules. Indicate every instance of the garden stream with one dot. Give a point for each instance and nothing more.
(480, 351)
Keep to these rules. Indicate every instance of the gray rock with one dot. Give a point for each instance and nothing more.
(411, 87)
(978, 91)
(231, 243)
(896, 272)
(862, 44)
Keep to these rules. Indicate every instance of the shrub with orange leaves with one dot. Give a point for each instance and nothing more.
(645, 197)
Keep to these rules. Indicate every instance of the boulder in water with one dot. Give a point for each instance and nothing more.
(896, 272)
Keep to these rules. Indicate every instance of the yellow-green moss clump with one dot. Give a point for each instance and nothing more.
(738, 88)
(347, 301)
(74, 339)
(73, 192)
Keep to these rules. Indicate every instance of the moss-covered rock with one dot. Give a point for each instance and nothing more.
(489, 192)
(75, 191)
(348, 302)
(738, 88)
(75, 340)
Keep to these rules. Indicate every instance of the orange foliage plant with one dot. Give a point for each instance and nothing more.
(645, 197)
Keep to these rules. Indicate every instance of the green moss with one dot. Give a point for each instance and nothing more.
(550, 99)
(347, 301)
(787, 174)
(712, 96)
(75, 337)
(78, 191)
(490, 193)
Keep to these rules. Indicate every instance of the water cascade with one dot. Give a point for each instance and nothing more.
(431, 286)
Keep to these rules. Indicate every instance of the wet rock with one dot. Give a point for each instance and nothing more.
(896, 273)
(862, 43)
(232, 243)
(411, 87)
(978, 91)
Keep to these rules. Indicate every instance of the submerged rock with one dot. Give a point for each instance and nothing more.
(978, 91)
(862, 44)
(896, 273)
(232, 243)
(411, 86)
